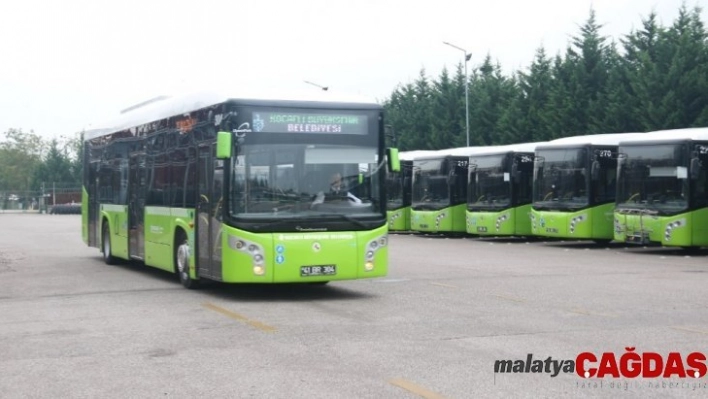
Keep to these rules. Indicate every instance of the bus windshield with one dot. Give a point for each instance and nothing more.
(653, 178)
(560, 179)
(490, 183)
(430, 187)
(295, 181)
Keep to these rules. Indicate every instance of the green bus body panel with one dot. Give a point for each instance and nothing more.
(682, 230)
(160, 226)
(400, 219)
(450, 219)
(285, 253)
(509, 222)
(117, 217)
(594, 223)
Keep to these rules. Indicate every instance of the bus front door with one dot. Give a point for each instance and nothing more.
(136, 206)
(208, 227)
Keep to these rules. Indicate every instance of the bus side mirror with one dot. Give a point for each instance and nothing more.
(393, 163)
(695, 168)
(595, 170)
(223, 145)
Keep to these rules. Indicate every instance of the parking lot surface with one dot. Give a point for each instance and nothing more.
(449, 309)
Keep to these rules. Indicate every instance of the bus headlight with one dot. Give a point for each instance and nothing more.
(574, 221)
(251, 249)
(671, 227)
(440, 217)
(372, 247)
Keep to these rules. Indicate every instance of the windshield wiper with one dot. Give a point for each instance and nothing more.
(279, 222)
(347, 218)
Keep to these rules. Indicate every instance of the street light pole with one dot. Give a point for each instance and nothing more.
(467, 101)
(324, 88)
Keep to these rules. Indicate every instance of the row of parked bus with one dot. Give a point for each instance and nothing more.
(642, 188)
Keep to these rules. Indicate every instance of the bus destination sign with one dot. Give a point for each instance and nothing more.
(291, 122)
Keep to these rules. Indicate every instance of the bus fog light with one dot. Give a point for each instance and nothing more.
(369, 266)
(258, 270)
(370, 255)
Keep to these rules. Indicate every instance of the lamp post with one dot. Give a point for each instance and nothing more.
(467, 101)
(324, 88)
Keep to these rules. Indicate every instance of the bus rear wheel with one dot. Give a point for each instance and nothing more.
(108, 258)
(182, 255)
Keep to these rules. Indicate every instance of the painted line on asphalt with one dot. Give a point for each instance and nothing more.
(590, 313)
(445, 285)
(253, 323)
(509, 298)
(691, 330)
(415, 389)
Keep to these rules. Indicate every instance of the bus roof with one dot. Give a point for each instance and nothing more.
(411, 155)
(167, 106)
(503, 149)
(590, 139)
(457, 151)
(696, 133)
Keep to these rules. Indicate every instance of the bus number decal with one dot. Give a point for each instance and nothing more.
(605, 153)
(702, 149)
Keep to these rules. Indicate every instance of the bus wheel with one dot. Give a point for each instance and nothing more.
(182, 261)
(106, 245)
(693, 248)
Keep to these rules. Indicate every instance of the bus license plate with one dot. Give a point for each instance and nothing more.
(324, 270)
(481, 229)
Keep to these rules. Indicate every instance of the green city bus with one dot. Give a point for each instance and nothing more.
(662, 189)
(236, 188)
(500, 189)
(398, 191)
(439, 191)
(574, 187)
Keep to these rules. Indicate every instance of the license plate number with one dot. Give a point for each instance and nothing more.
(323, 270)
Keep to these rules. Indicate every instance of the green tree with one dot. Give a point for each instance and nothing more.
(20, 155)
(55, 167)
(447, 122)
(490, 94)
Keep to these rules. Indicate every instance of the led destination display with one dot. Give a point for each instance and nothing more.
(290, 122)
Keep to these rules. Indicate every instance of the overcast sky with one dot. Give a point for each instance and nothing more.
(68, 64)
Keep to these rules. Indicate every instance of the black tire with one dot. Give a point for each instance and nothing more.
(106, 246)
(181, 259)
(691, 248)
